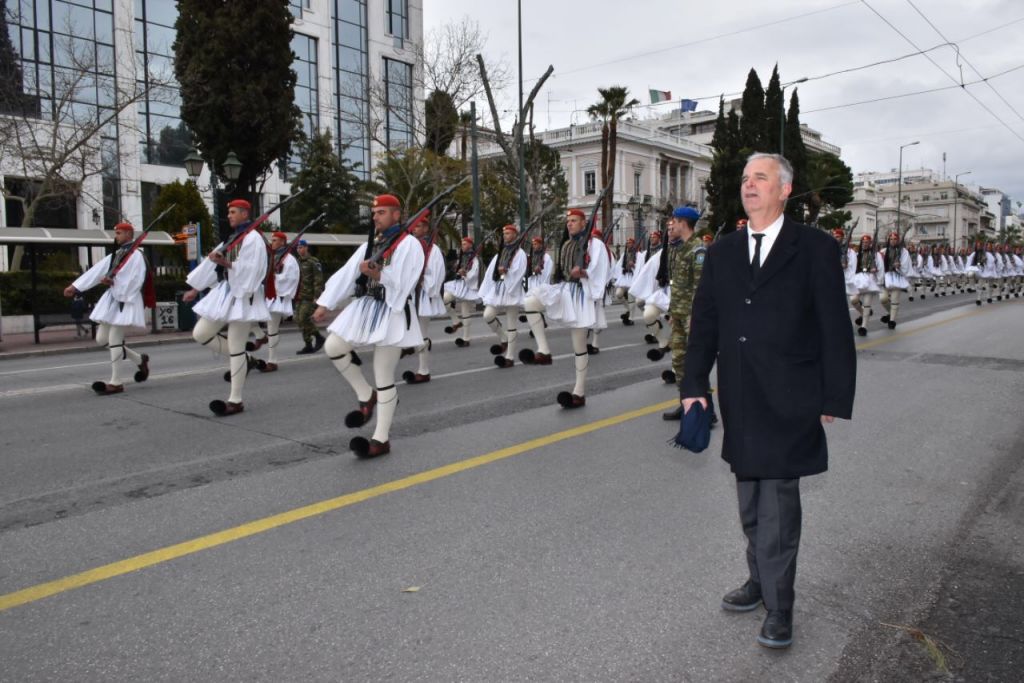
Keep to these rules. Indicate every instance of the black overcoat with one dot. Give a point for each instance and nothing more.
(784, 347)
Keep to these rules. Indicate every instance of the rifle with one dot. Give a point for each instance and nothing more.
(662, 275)
(583, 252)
(376, 256)
(225, 246)
(846, 242)
(295, 240)
(136, 243)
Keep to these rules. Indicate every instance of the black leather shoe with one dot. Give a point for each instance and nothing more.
(673, 415)
(743, 599)
(777, 630)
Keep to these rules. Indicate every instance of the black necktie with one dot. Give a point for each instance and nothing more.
(755, 265)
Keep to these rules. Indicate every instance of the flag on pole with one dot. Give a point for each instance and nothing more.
(660, 96)
(687, 105)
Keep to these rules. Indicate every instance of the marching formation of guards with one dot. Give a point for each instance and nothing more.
(391, 287)
(882, 275)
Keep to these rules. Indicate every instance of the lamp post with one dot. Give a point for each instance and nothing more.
(638, 206)
(782, 110)
(194, 168)
(899, 187)
(956, 200)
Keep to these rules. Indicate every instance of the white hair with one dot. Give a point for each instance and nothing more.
(785, 168)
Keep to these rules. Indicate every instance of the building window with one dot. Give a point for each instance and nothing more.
(636, 184)
(398, 20)
(398, 103)
(351, 83)
(943, 195)
(590, 182)
(163, 137)
(296, 7)
(306, 94)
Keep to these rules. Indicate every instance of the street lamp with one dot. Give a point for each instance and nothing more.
(899, 187)
(194, 168)
(782, 109)
(956, 200)
(638, 206)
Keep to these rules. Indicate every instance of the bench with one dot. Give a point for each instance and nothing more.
(42, 320)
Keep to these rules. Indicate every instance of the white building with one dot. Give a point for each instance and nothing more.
(347, 52)
(934, 210)
(999, 205)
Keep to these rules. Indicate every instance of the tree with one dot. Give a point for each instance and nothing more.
(233, 62)
(509, 143)
(330, 186)
(796, 153)
(612, 106)
(773, 114)
(723, 186)
(442, 121)
(544, 166)
(449, 62)
(752, 112)
(830, 184)
(190, 209)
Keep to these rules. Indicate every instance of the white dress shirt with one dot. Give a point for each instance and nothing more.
(770, 233)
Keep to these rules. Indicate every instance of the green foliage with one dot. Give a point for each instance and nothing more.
(830, 182)
(442, 122)
(796, 153)
(17, 291)
(752, 110)
(773, 114)
(190, 209)
(233, 61)
(834, 219)
(330, 186)
(723, 186)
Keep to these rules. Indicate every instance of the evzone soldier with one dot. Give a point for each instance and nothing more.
(429, 303)
(381, 315)
(849, 262)
(960, 261)
(501, 291)
(869, 265)
(1018, 269)
(539, 265)
(912, 275)
(572, 298)
(124, 273)
(286, 284)
(655, 297)
(623, 273)
(601, 323)
(938, 269)
(311, 285)
(237, 276)
(460, 293)
(896, 262)
(653, 246)
(978, 263)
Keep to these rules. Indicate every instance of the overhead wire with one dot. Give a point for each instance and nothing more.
(962, 56)
(959, 83)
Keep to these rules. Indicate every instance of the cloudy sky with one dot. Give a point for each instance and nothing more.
(700, 50)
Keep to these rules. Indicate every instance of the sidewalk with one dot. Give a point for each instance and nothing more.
(62, 339)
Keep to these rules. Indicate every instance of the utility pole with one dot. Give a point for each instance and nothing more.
(474, 165)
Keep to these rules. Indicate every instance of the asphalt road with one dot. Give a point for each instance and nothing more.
(503, 539)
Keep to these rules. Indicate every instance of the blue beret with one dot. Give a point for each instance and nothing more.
(687, 213)
(694, 429)
(303, 243)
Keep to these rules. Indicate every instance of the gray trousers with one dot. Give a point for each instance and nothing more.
(770, 514)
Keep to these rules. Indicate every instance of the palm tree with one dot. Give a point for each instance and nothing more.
(612, 106)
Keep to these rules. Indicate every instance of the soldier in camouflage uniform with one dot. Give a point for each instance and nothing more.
(686, 263)
(311, 285)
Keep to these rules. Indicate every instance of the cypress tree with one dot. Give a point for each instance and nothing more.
(796, 153)
(233, 61)
(752, 111)
(773, 114)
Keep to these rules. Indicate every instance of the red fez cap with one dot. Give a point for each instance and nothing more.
(421, 219)
(468, 239)
(240, 204)
(630, 240)
(511, 227)
(386, 200)
(708, 238)
(865, 238)
(596, 232)
(741, 223)
(838, 233)
(538, 240)
(657, 234)
(125, 226)
(576, 212)
(279, 235)
(894, 234)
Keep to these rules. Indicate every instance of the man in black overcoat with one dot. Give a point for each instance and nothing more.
(771, 309)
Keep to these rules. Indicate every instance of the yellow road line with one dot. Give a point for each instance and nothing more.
(171, 552)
